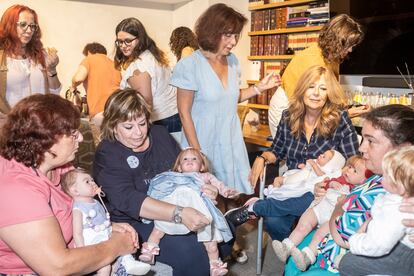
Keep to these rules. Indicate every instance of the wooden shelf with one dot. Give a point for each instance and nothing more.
(258, 106)
(287, 30)
(277, 57)
(257, 137)
(251, 82)
(281, 4)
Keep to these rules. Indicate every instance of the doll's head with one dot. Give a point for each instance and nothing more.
(191, 160)
(398, 169)
(355, 171)
(330, 161)
(79, 184)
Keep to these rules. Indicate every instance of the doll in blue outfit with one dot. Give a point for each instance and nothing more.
(182, 187)
(91, 221)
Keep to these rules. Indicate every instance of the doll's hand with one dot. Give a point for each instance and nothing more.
(126, 228)
(210, 191)
(335, 185)
(278, 181)
(319, 189)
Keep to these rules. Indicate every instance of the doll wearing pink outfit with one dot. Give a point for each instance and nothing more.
(191, 160)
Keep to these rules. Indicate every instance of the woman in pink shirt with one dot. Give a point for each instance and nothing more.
(39, 138)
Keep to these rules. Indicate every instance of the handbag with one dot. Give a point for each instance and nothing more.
(74, 97)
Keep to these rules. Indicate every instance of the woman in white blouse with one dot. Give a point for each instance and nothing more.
(144, 67)
(26, 67)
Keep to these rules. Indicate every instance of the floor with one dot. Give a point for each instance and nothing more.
(247, 238)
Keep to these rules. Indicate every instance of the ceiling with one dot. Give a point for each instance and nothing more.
(150, 4)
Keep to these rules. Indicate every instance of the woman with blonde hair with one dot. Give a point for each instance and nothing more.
(314, 122)
(336, 40)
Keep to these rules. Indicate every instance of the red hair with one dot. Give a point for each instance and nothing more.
(9, 41)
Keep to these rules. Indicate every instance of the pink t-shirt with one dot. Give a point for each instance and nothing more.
(26, 196)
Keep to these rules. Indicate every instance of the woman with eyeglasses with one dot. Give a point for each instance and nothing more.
(144, 67)
(37, 142)
(26, 67)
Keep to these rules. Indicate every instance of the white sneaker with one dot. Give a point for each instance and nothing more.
(133, 266)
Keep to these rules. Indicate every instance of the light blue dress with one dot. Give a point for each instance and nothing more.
(214, 113)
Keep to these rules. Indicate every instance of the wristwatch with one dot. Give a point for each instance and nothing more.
(177, 214)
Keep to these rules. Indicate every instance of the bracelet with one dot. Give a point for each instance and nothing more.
(256, 89)
(264, 159)
(53, 75)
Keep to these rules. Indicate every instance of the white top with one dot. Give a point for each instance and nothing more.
(278, 103)
(24, 78)
(385, 229)
(164, 96)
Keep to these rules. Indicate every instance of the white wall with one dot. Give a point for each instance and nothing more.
(69, 25)
(187, 16)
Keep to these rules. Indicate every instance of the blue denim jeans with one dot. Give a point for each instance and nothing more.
(280, 215)
(172, 123)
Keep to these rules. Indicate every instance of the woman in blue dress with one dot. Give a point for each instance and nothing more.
(208, 93)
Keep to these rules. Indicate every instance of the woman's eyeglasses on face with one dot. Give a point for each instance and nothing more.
(75, 134)
(24, 26)
(126, 42)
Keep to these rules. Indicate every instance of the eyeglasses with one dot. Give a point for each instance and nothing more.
(24, 25)
(75, 134)
(126, 42)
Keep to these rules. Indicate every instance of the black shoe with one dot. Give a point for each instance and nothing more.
(237, 216)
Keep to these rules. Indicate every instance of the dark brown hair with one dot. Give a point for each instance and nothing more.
(121, 106)
(341, 33)
(396, 122)
(94, 48)
(217, 20)
(9, 39)
(180, 38)
(134, 27)
(34, 125)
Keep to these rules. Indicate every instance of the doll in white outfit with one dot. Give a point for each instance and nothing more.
(91, 221)
(296, 182)
(319, 213)
(182, 187)
(384, 234)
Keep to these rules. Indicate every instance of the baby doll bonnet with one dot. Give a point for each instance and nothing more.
(336, 163)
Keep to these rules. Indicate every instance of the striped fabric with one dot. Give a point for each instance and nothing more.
(357, 209)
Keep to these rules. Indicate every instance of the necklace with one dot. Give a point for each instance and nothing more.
(92, 214)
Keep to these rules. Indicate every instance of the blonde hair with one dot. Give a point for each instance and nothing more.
(330, 114)
(123, 105)
(353, 160)
(69, 179)
(398, 165)
(203, 158)
(341, 33)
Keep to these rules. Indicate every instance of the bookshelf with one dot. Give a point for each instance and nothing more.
(277, 31)
(286, 30)
(280, 4)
